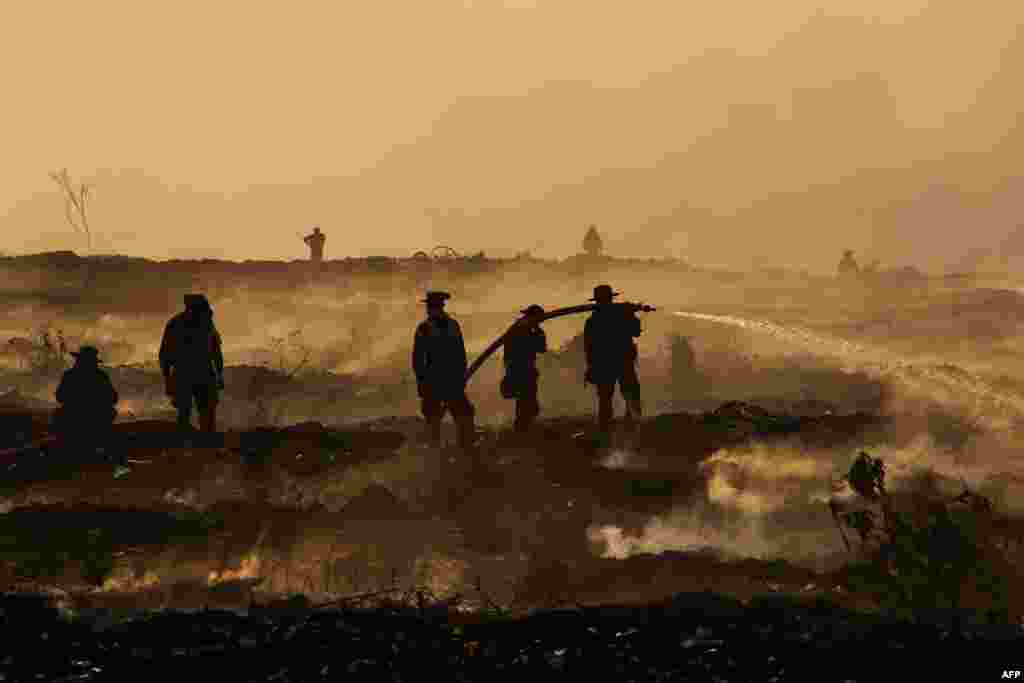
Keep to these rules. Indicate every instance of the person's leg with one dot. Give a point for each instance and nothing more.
(605, 409)
(183, 395)
(433, 411)
(112, 448)
(206, 404)
(518, 420)
(527, 407)
(464, 415)
(629, 386)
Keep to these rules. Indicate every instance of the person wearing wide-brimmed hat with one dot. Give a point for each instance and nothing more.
(439, 363)
(192, 362)
(87, 401)
(521, 374)
(611, 355)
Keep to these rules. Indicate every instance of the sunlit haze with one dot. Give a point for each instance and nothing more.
(734, 133)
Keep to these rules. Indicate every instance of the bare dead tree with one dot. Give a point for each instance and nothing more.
(75, 203)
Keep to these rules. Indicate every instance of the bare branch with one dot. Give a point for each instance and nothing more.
(68, 215)
(75, 208)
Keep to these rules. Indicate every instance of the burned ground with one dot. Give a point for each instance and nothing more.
(319, 484)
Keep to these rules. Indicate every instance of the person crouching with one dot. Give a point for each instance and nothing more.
(87, 401)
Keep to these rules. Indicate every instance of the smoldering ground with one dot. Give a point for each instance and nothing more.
(336, 352)
(955, 430)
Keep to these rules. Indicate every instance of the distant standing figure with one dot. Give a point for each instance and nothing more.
(193, 363)
(521, 374)
(848, 265)
(592, 243)
(687, 380)
(315, 242)
(439, 363)
(611, 355)
(87, 401)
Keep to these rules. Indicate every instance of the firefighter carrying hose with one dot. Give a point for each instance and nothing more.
(521, 375)
(611, 356)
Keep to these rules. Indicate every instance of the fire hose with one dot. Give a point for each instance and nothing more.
(12, 453)
(526, 321)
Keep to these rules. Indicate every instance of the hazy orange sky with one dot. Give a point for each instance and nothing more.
(729, 132)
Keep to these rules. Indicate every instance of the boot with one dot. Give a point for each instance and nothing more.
(208, 420)
(466, 434)
(636, 408)
(434, 433)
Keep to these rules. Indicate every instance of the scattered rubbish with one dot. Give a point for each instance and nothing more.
(121, 471)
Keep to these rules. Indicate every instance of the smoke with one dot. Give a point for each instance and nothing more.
(619, 460)
(946, 384)
(770, 500)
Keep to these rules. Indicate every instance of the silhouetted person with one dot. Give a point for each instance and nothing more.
(592, 243)
(611, 355)
(315, 241)
(193, 363)
(87, 399)
(439, 363)
(687, 381)
(848, 265)
(521, 375)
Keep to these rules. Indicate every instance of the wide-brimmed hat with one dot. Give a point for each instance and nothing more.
(87, 353)
(604, 292)
(436, 298)
(533, 309)
(197, 301)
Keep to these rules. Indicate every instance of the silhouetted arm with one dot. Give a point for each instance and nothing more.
(112, 396)
(218, 353)
(62, 389)
(542, 341)
(463, 358)
(588, 341)
(635, 329)
(419, 359)
(167, 349)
